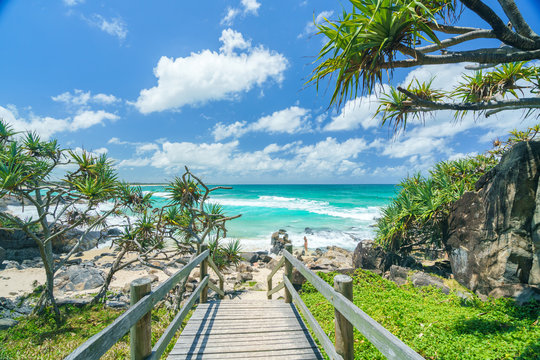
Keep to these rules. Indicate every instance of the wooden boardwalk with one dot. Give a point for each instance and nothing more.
(245, 330)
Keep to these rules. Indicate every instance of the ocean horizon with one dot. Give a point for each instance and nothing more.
(327, 214)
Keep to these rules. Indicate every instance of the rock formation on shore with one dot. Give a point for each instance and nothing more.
(494, 232)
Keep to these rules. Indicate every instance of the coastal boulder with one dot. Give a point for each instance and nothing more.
(2, 255)
(369, 256)
(493, 238)
(77, 278)
(278, 241)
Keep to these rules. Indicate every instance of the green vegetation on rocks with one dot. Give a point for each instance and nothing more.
(417, 217)
(435, 325)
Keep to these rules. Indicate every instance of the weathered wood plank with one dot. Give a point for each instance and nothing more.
(307, 354)
(218, 291)
(168, 334)
(327, 345)
(242, 347)
(248, 353)
(388, 344)
(216, 339)
(210, 325)
(242, 331)
(276, 289)
(100, 343)
(280, 263)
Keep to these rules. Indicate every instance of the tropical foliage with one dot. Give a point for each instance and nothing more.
(72, 190)
(417, 217)
(378, 36)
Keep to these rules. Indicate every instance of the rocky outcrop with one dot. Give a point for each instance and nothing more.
(2, 255)
(76, 278)
(493, 236)
(278, 241)
(369, 256)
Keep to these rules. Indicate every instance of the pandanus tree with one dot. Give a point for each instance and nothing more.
(56, 205)
(155, 236)
(379, 36)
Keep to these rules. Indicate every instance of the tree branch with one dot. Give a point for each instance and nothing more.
(450, 29)
(521, 26)
(479, 106)
(471, 35)
(483, 56)
(502, 32)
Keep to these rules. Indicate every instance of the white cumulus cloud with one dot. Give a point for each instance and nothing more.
(290, 120)
(115, 26)
(357, 112)
(47, 126)
(246, 7)
(210, 75)
(83, 98)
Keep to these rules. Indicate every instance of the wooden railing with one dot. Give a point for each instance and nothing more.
(137, 318)
(347, 315)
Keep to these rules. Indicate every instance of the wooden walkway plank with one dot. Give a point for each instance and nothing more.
(245, 330)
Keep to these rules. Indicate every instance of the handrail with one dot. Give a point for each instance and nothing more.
(271, 291)
(388, 344)
(319, 332)
(167, 336)
(101, 342)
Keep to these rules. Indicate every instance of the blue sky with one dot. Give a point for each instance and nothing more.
(218, 86)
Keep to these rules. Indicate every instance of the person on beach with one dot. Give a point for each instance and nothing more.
(305, 245)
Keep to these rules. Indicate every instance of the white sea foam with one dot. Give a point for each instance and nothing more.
(312, 206)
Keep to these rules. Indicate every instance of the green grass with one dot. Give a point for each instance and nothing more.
(39, 337)
(435, 325)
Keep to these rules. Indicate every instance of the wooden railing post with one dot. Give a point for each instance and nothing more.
(141, 332)
(269, 286)
(288, 274)
(344, 329)
(203, 271)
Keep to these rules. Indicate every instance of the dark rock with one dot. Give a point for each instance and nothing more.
(439, 267)
(278, 241)
(367, 255)
(74, 262)
(250, 256)
(420, 279)
(297, 278)
(75, 302)
(308, 231)
(117, 304)
(16, 239)
(2, 254)
(79, 278)
(243, 277)
(22, 254)
(114, 232)
(521, 292)
(399, 274)
(493, 235)
(34, 263)
(7, 323)
(10, 264)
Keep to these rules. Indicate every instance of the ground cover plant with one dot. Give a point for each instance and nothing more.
(435, 325)
(39, 337)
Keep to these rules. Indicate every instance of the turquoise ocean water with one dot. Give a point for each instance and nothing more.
(327, 215)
